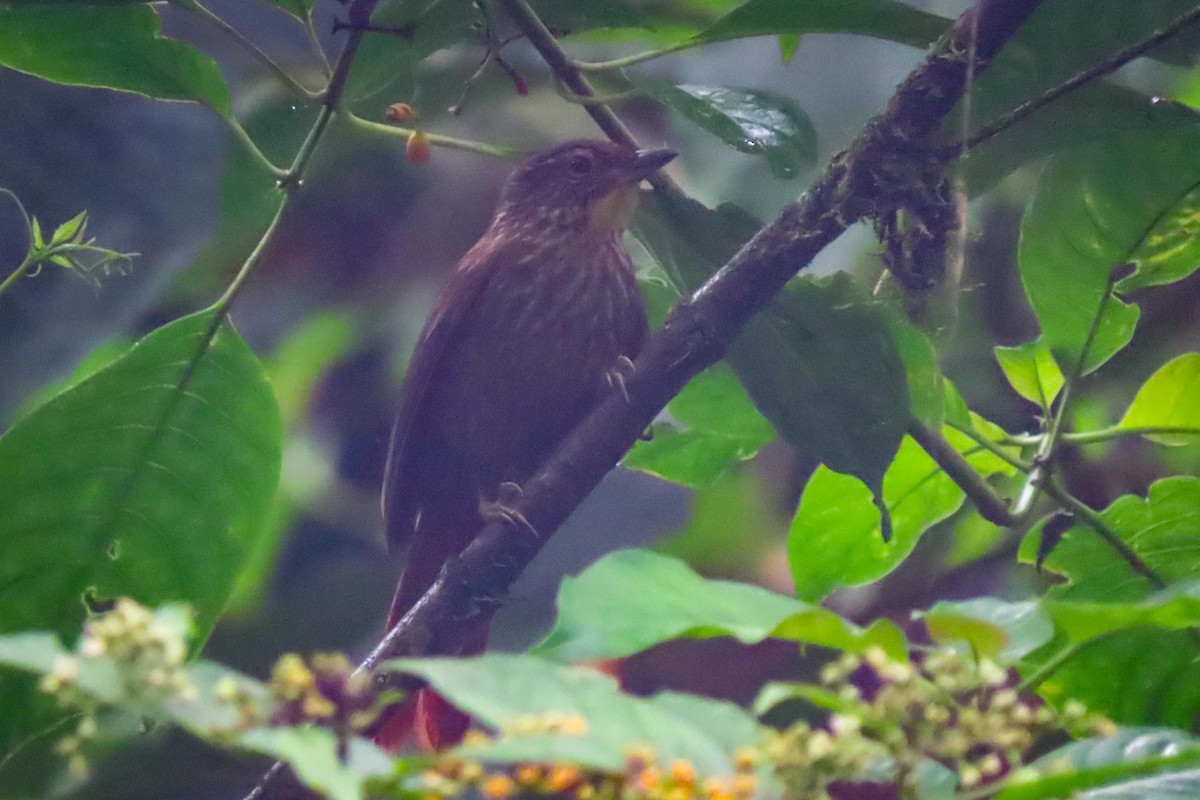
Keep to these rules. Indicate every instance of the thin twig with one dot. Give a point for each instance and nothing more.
(527, 20)
(359, 13)
(991, 506)
(1105, 67)
(1043, 467)
(250, 47)
(436, 139)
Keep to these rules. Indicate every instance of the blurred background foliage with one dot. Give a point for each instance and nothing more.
(334, 309)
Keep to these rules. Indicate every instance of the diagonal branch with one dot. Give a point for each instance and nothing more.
(700, 328)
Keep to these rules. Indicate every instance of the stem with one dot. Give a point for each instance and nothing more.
(1041, 472)
(639, 58)
(436, 139)
(527, 20)
(240, 134)
(17, 274)
(992, 447)
(991, 506)
(599, 99)
(1109, 65)
(1052, 665)
(253, 49)
(1106, 434)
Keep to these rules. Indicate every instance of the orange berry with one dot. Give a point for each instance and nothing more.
(418, 148)
(528, 774)
(497, 787)
(682, 772)
(649, 779)
(562, 778)
(399, 112)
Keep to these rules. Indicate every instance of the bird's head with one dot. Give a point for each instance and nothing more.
(579, 185)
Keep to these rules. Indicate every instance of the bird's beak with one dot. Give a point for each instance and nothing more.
(652, 159)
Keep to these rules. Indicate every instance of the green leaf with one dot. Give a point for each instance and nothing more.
(751, 121)
(722, 429)
(599, 617)
(1117, 762)
(1140, 675)
(1093, 211)
(1060, 40)
(1170, 250)
(148, 479)
(688, 240)
(995, 628)
(509, 693)
(111, 47)
(68, 230)
(1032, 371)
(303, 357)
(1177, 607)
(313, 754)
(879, 18)
(836, 540)
(1160, 530)
(821, 365)
(1169, 400)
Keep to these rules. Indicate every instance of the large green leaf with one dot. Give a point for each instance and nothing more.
(113, 47)
(1132, 763)
(148, 479)
(1012, 630)
(599, 616)
(1061, 39)
(1134, 675)
(1160, 530)
(883, 19)
(722, 428)
(1093, 211)
(1169, 400)
(836, 539)
(821, 365)
(992, 627)
(511, 693)
(755, 122)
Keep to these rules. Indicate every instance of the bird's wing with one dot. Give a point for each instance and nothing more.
(401, 484)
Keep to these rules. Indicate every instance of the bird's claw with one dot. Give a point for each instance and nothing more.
(617, 375)
(503, 509)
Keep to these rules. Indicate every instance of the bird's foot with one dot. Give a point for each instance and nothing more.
(619, 373)
(503, 508)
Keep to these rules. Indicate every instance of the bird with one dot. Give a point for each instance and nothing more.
(539, 320)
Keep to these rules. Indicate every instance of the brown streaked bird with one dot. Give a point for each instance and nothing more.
(532, 330)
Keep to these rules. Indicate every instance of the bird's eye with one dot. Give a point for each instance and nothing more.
(580, 164)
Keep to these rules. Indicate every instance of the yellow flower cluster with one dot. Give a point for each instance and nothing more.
(643, 778)
(961, 712)
(326, 690)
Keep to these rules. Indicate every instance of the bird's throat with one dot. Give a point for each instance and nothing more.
(614, 211)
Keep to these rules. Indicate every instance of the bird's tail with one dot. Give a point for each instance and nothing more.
(424, 717)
